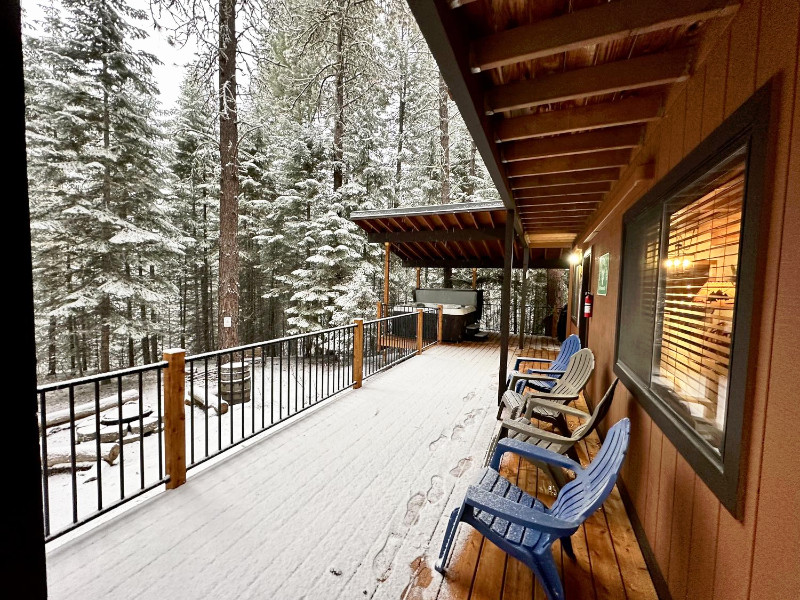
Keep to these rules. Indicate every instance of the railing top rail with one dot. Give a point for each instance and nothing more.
(254, 345)
(391, 317)
(61, 385)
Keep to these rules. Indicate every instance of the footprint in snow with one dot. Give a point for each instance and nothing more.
(468, 397)
(382, 563)
(462, 467)
(436, 491)
(412, 509)
(434, 445)
(458, 432)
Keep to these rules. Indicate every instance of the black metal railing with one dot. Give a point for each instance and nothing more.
(535, 316)
(103, 436)
(241, 392)
(91, 426)
(389, 341)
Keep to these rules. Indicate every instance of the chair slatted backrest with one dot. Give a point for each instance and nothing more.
(599, 413)
(579, 369)
(569, 347)
(587, 492)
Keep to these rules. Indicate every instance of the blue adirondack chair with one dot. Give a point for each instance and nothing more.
(556, 366)
(522, 526)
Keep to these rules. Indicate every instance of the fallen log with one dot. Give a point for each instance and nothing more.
(199, 400)
(83, 453)
(87, 409)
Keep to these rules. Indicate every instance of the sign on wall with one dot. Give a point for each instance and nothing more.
(602, 274)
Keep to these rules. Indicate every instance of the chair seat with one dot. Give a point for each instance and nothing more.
(530, 539)
(515, 402)
(547, 445)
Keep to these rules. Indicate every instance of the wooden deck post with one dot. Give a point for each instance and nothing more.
(419, 330)
(439, 322)
(358, 353)
(523, 299)
(505, 303)
(474, 279)
(174, 417)
(388, 248)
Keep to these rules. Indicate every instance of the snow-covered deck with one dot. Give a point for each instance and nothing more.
(349, 501)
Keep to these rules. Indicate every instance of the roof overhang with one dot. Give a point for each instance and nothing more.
(465, 235)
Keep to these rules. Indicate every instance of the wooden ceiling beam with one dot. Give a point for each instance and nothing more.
(567, 164)
(438, 235)
(632, 74)
(550, 240)
(534, 181)
(591, 198)
(596, 25)
(576, 189)
(617, 138)
(628, 111)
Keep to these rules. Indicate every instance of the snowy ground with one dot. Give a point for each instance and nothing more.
(349, 501)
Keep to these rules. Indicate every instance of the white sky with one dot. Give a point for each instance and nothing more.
(168, 75)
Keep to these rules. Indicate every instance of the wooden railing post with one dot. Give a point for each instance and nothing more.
(358, 353)
(419, 330)
(439, 322)
(174, 417)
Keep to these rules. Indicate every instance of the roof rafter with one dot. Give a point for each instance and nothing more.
(590, 26)
(635, 73)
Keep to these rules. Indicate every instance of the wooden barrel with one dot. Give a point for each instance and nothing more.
(235, 382)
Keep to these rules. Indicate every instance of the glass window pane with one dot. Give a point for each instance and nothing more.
(697, 295)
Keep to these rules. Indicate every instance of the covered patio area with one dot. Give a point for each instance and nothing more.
(349, 500)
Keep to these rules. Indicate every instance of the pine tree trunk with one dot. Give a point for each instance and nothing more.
(105, 301)
(338, 126)
(401, 118)
(554, 299)
(444, 143)
(473, 149)
(51, 346)
(229, 179)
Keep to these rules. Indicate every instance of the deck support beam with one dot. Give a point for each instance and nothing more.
(505, 304)
(387, 252)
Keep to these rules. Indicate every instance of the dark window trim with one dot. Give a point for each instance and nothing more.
(724, 475)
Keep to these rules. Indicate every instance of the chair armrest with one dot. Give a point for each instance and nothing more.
(562, 408)
(546, 371)
(529, 430)
(517, 376)
(516, 513)
(526, 450)
(524, 359)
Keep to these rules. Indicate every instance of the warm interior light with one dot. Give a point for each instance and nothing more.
(668, 263)
(574, 258)
(686, 263)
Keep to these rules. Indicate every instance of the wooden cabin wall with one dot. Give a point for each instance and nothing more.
(701, 550)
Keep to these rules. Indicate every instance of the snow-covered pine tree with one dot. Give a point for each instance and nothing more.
(195, 166)
(95, 104)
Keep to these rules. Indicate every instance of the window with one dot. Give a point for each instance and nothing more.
(689, 268)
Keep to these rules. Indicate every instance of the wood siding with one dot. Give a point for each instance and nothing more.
(701, 550)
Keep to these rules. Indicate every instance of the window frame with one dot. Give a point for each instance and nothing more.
(724, 474)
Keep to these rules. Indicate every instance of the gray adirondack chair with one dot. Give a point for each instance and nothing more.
(566, 389)
(522, 430)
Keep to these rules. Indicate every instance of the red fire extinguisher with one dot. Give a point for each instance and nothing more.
(588, 300)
